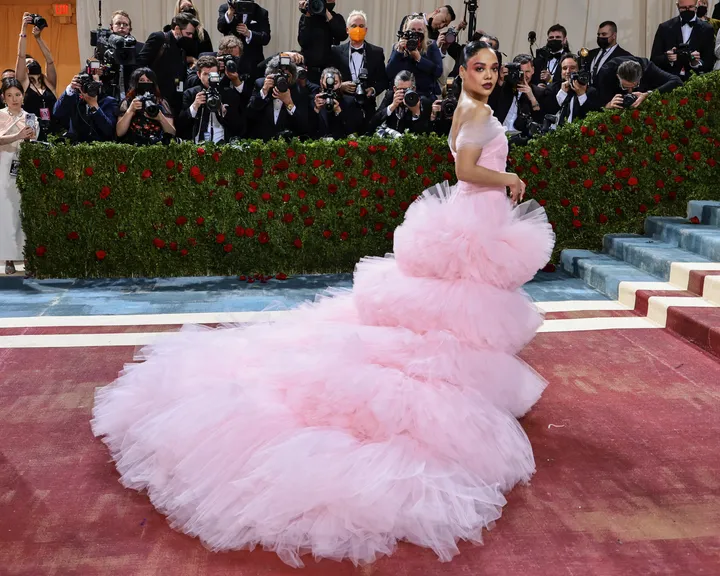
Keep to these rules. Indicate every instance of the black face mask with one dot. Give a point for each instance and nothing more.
(187, 44)
(555, 45)
(702, 11)
(34, 69)
(190, 10)
(686, 16)
(145, 87)
(603, 43)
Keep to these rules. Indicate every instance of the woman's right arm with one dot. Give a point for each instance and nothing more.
(24, 134)
(21, 73)
(123, 125)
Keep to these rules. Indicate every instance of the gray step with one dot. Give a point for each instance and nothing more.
(708, 212)
(698, 238)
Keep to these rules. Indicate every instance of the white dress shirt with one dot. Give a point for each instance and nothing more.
(509, 123)
(215, 131)
(562, 95)
(277, 106)
(356, 62)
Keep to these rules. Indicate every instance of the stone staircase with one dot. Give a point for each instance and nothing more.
(671, 274)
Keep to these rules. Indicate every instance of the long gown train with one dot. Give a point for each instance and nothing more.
(374, 415)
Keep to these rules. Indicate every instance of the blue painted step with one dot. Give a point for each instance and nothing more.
(649, 255)
(601, 271)
(707, 211)
(700, 239)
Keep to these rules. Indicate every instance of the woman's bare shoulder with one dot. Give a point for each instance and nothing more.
(470, 110)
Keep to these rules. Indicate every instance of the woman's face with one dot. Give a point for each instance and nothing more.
(13, 99)
(417, 26)
(481, 73)
(144, 78)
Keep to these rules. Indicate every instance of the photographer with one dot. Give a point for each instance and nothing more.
(89, 114)
(212, 111)
(438, 19)
(201, 40)
(626, 82)
(145, 117)
(251, 24)
(334, 114)
(403, 108)
(548, 70)
(520, 102)
(443, 110)
(277, 108)
(695, 52)
(414, 53)
(572, 99)
(319, 32)
(121, 25)
(39, 88)
(607, 49)
(361, 64)
(164, 53)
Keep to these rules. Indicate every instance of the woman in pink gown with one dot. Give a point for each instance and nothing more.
(374, 415)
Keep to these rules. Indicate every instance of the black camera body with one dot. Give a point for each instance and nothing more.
(412, 39)
(242, 7)
(89, 86)
(411, 98)
(150, 105)
(315, 7)
(684, 54)
(629, 100)
(281, 82)
(231, 63)
(213, 102)
(361, 87)
(330, 94)
(582, 77)
(113, 49)
(39, 21)
(514, 74)
(450, 103)
(451, 35)
(544, 53)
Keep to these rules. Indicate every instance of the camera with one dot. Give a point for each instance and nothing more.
(514, 74)
(301, 73)
(385, 132)
(88, 85)
(361, 87)
(242, 7)
(230, 62)
(450, 103)
(316, 7)
(329, 94)
(411, 98)
(684, 54)
(39, 21)
(412, 39)
(629, 100)
(582, 77)
(451, 35)
(213, 103)
(112, 48)
(150, 105)
(281, 82)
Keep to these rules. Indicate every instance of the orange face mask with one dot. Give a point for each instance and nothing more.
(358, 34)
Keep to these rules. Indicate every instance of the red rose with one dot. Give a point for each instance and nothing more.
(270, 215)
(380, 209)
(249, 232)
(110, 213)
(577, 224)
(571, 164)
(302, 159)
(403, 174)
(672, 195)
(266, 196)
(220, 238)
(170, 164)
(88, 203)
(679, 179)
(673, 148)
(309, 221)
(239, 196)
(447, 176)
(584, 158)
(684, 102)
(36, 162)
(694, 220)
(636, 114)
(222, 182)
(43, 178)
(618, 185)
(195, 171)
(121, 234)
(602, 128)
(73, 236)
(588, 183)
(419, 170)
(327, 234)
(689, 124)
(642, 208)
(602, 170)
(200, 221)
(146, 174)
(179, 167)
(169, 201)
(298, 243)
(657, 198)
(105, 192)
(576, 210)
(304, 209)
(240, 172)
(565, 202)
(649, 139)
(696, 156)
(363, 212)
(173, 246)
(100, 254)
(216, 156)
(679, 157)
(342, 152)
(227, 248)
(627, 130)
(122, 168)
(201, 151)
(704, 130)
(378, 226)
(332, 188)
(293, 176)
(649, 121)
(633, 181)
(542, 202)
(711, 162)
(59, 174)
(353, 183)
(159, 243)
(89, 171)
(535, 170)
(252, 208)
(287, 218)
(615, 119)
(606, 187)
(264, 238)
(320, 204)
(313, 180)
(257, 173)
(602, 219)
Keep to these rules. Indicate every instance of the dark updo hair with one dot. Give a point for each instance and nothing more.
(473, 48)
(11, 83)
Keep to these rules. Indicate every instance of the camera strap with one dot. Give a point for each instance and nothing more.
(353, 69)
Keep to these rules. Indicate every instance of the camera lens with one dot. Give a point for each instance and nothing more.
(282, 84)
(411, 99)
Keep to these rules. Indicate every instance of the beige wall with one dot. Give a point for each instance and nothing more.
(510, 20)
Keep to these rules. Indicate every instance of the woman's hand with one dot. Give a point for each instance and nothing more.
(26, 133)
(27, 19)
(517, 188)
(135, 106)
(401, 46)
(36, 32)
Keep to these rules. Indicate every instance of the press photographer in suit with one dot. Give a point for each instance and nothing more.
(357, 55)
(250, 23)
(212, 112)
(572, 98)
(334, 114)
(403, 108)
(277, 107)
(548, 70)
(684, 43)
(318, 33)
(626, 82)
(607, 49)
(518, 100)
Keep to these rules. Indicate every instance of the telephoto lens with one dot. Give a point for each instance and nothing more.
(411, 99)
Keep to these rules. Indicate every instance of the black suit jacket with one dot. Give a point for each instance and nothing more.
(541, 64)
(653, 78)
(349, 121)
(505, 97)
(669, 36)
(233, 122)
(164, 56)
(261, 115)
(617, 53)
(419, 126)
(259, 24)
(316, 37)
(592, 104)
(374, 63)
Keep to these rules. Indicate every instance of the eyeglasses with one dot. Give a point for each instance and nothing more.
(686, 8)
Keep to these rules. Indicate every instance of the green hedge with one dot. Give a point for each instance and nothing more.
(112, 210)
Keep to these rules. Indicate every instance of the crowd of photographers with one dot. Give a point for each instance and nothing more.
(176, 85)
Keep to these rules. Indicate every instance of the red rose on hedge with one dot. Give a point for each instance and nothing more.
(73, 236)
(110, 213)
(565, 202)
(633, 181)
(105, 192)
(696, 156)
(270, 215)
(320, 204)
(239, 196)
(170, 164)
(201, 151)
(227, 248)
(287, 218)
(602, 219)
(252, 208)
(297, 243)
(59, 174)
(577, 224)
(200, 221)
(711, 162)
(159, 243)
(264, 238)
(642, 208)
(657, 198)
(309, 221)
(672, 195)
(100, 254)
(588, 183)
(679, 157)
(332, 188)
(146, 174)
(216, 156)
(627, 130)
(684, 102)
(266, 196)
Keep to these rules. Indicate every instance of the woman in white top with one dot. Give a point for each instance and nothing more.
(16, 125)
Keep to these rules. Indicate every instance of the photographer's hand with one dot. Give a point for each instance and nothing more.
(565, 87)
(36, 32)
(436, 109)
(401, 46)
(580, 89)
(616, 103)
(268, 86)
(75, 84)
(671, 55)
(26, 20)
(135, 105)
(319, 103)
(234, 78)
(200, 100)
(641, 97)
(284, 97)
(397, 100)
(415, 55)
(545, 76)
(337, 108)
(348, 87)
(243, 30)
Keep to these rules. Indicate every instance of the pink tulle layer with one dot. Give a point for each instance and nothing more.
(372, 416)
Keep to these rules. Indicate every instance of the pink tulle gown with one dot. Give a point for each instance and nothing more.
(374, 415)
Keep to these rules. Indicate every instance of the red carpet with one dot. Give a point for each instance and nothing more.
(628, 482)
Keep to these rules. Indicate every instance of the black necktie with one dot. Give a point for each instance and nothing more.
(357, 50)
(597, 63)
